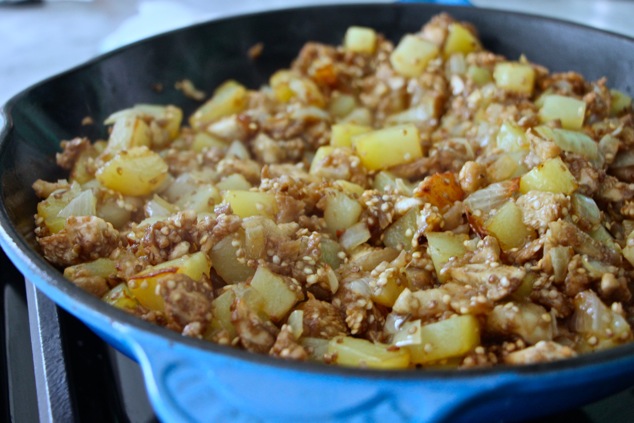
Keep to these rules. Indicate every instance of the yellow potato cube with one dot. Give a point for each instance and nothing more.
(357, 352)
(551, 176)
(143, 284)
(342, 133)
(453, 337)
(620, 102)
(228, 99)
(360, 39)
(205, 141)
(511, 138)
(388, 147)
(121, 297)
(251, 203)
(400, 233)
(507, 225)
(341, 105)
(442, 246)
(280, 293)
(137, 172)
(460, 40)
(481, 76)
(231, 267)
(569, 111)
(515, 77)
(341, 211)
(412, 54)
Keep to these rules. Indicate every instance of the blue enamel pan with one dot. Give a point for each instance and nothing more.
(191, 380)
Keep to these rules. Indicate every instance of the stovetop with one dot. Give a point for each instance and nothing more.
(54, 369)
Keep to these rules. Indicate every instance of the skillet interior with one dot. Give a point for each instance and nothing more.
(210, 53)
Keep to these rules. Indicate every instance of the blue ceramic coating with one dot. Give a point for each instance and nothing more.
(194, 381)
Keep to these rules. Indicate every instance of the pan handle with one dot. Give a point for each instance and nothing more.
(188, 384)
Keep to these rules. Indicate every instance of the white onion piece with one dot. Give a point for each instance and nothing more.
(354, 236)
(84, 204)
(491, 197)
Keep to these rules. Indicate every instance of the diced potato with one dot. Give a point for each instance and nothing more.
(507, 225)
(511, 138)
(572, 141)
(128, 132)
(357, 352)
(515, 77)
(330, 251)
(221, 312)
(460, 40)
(288, 85)
(388, 147)
(569, 111)
(321, 154)
(121, 297)
(201, 200)
(228, 99)
(341, 105)
(341, 211)
(620, 102)
(224, 256)
(453, 337)
(83, 171)
(280, 293)
(481, 76)
(143, 284)
(204, 141)
(412, 54)
(349, 188)
(386, 294)
(234, 182)
(399, 234)
(440, 190)
(360, 39)
(442, 246)
(138, 171)
(342, 133)
(102, 267)
(551, 176)
(49, 209)
(385, 181)
(251, 203)
(317, 348)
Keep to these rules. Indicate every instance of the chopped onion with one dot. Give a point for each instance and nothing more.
(491, 197)
(296, 322)
(559, 259)
(354, 236)
(408, 334)
(84, 204)
(361, 286)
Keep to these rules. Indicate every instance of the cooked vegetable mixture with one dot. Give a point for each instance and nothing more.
(410, 205)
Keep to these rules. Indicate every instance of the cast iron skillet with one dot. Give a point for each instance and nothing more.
(191, 380)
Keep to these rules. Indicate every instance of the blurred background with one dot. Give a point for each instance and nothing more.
(42, 38)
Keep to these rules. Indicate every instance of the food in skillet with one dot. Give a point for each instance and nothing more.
(423, 204)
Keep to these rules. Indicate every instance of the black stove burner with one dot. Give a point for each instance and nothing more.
(54, 369)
